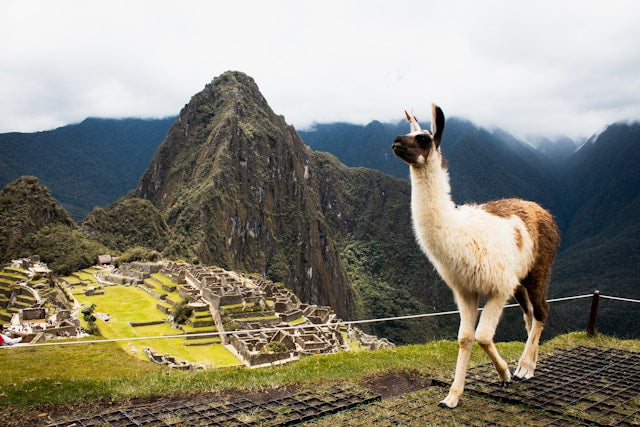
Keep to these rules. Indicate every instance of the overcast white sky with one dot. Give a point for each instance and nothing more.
(532, 68)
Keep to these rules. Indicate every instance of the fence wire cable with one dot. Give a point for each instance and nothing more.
(637, 301)
(275, 329)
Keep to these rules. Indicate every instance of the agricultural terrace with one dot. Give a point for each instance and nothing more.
(128, 306)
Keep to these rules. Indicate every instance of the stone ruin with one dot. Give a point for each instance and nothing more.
(25, 304)
(252, 315)
(169, 361)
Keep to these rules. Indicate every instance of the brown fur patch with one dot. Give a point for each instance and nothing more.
(546, 237)
(531, 213)
(443, 161)
(518, 238)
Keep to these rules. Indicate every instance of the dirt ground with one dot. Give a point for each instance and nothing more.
(387, 385)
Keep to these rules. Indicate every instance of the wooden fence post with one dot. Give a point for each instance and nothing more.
(591, 328)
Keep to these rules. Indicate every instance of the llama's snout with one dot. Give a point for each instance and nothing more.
(399, 147)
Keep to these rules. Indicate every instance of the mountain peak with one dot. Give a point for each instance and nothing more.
(233, 84)
(238, 186)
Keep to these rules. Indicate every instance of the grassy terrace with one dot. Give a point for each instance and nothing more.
(157, 280)
(71, 280)
(32, 379)
(85, 276)
(126, 304)
(11, 277)
(8, 279)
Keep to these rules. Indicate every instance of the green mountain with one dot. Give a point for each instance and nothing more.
(239, 187)
(32, 223)
(369, 213)
(602, 240)
(130, 222)
(89, 164)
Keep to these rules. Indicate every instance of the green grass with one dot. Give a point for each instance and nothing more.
(297, 321)
(126, 304)
(159, 281)
(157, 286)
(71, 280)
(12, 275)
(85, 276)
(39, 376)
(164, 279)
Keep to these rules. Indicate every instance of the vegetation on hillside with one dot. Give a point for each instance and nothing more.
(63, 249)
(32, 223)
(133, 223)
(88, 164)
(370, 214)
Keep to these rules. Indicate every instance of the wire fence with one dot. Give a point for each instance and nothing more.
(590, 327)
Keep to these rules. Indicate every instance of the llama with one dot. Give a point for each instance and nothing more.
(499, 249)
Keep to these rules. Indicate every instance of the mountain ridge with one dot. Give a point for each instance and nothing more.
(88, 164)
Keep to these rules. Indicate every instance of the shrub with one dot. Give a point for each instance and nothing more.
(181, 312)
(274, 347)
(88, 314)
(92, 328)
(138, 253)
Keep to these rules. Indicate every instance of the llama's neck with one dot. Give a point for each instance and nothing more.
(432, 208)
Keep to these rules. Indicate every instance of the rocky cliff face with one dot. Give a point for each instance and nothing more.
(238, 185)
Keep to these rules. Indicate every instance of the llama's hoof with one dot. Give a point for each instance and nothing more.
(505, 376)
(524, 371)
(449, 402)
(505, 384)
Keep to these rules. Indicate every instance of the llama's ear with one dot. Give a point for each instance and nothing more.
(437, 123)
(413, 122)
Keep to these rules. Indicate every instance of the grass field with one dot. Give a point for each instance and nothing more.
(125, 304)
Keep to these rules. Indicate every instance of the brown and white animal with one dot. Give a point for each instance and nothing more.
(498, 249)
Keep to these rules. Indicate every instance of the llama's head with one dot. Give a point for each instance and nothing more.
(416, 146)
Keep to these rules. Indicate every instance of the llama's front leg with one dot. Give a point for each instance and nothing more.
(486, 330)
(468, 305)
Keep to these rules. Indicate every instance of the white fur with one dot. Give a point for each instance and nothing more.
(472, 249)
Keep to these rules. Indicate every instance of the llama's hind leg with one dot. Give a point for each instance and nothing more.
(468, 305)
(486, 331)
(529, 359)
(527, 309)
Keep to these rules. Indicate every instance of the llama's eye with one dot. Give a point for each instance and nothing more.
(423, 140)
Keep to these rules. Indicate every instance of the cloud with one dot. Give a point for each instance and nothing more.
(536, 68)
